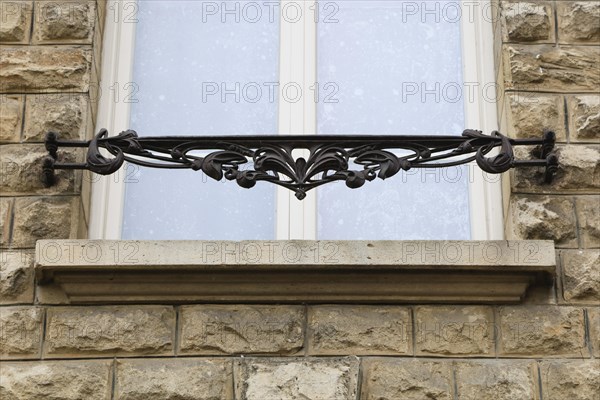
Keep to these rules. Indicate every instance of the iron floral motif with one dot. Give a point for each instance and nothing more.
(250, 159)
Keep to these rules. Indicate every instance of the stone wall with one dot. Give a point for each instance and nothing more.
(549, 69)
(548, 57)
(49, 68)
(548, 64)
(290, 351)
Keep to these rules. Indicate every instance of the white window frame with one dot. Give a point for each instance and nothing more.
(297, 219)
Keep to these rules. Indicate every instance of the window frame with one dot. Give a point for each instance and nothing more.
(295, 219)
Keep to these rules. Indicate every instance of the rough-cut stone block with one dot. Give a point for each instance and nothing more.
(588, 215)
(22, 173)
(64, 380)
(292, 378)
(15, 21)
(64, 22)
(6, 206)
(20, 332)
(16, 277)
(578, 169)
(548, 331)
(454, 330)
(581, 275)
(38, 218)
(497, 380)
(65, 114)
(544, 67)
(109, 331)
(584, 118)
(184, 378)
(34, 69)
(357, 330)
(578, 21)
(223, 329)
(573, 380)
(527, 22)
(593, 315)
(406, 379)
(530, 113)
(543, 217)
(11, 117)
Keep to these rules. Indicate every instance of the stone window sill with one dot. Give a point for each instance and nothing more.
(87, 271)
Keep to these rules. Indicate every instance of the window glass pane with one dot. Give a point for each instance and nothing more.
(396, 67)
(198, 71)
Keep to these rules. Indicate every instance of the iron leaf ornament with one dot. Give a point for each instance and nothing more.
(354, 159)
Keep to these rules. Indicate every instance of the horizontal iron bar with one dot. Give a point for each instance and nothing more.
(304, 141)
(530, 163)
(70, 166)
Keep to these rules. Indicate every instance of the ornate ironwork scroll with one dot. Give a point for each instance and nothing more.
(354, 159)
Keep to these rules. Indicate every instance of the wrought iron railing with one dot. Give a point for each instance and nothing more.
(249, 159)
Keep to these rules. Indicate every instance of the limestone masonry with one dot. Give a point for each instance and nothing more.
(546, 347)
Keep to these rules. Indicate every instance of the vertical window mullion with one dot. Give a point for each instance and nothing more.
(485, 192)
(297, 111)
(108, 192)
(309, 204)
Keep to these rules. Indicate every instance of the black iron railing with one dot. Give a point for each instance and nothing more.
(249, 159)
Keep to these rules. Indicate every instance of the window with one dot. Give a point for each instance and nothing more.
(299, 67)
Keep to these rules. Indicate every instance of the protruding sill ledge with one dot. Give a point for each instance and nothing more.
(83, 271)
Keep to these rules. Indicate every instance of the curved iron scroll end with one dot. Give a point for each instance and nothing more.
(130, 138)
(99, 164)
(499, 163)
(473, 133)
(467, 145)
(48, 176)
